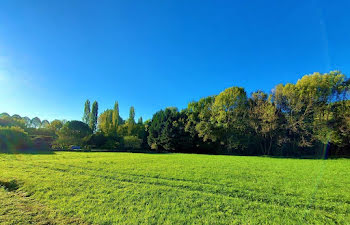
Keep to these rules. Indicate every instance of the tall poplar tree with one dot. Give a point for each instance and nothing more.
(116, 116)
(93, 116)
(132, 115)
(86, 116)
(131, 121)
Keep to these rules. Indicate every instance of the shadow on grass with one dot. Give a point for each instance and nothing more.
(119, 151)
(27, 151)
(143, 151)
(9, 185)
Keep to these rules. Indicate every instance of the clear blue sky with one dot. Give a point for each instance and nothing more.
(152, 54)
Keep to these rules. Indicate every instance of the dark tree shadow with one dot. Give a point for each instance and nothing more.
(28, 151)
(9, 185)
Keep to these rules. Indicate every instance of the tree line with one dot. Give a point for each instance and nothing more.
(306, 118)
(309, 117)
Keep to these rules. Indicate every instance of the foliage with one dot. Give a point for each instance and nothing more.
(12, 138)
(93, 116)
(4, 115)
(293, 120)
(105, 123)
(45, 124)
(73, 133)
(87, 111)
(132, 142)
(40, 132)
(131, 121)
(166, 131)
(230, 115)
(115, 117)
(36, 122)
(264, 121)
(56, 125)
(8, 121)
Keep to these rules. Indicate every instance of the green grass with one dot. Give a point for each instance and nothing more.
(126, 188)
(18, 208)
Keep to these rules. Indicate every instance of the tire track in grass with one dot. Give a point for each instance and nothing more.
(237, 194)
(227, 192)
(113, 179)
(251, 195)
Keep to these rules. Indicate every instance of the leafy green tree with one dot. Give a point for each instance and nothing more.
(131, 121)
(341, 125)
(200, 114)
(140, 121)
(93, 116)
(45, 124)
(73, 133)
(56, 125)
(27, 121)
(36, 122)
(8, 121)
(16, 116)
(230, 117)
(203, 132)
(105, 123)
(167, 131)
(4, 115)
(264, 120)
(87, 111)
(307, 108)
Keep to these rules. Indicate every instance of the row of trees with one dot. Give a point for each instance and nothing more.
(105, 131)
(18, 132)
(293, 119)
(22, 121)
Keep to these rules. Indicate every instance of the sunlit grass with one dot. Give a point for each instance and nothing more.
(126, 188)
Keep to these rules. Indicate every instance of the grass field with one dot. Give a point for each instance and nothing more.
(126, 188)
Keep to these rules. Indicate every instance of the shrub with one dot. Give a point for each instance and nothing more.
(40, 132)
(132, 142)
(14, 138)
(111, 144)
(42, 142)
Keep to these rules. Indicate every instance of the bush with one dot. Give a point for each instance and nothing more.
(14, 138)
(40, 132)
(42, 142)
(132, 142)
(111, 144)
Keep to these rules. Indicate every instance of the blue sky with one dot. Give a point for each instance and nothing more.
(152, 54)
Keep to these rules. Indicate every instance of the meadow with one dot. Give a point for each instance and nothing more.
(130, 188)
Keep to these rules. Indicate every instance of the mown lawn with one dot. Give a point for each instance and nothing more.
(126, 188)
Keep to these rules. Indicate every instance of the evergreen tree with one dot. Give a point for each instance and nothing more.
(86, 116)
(93, 116)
